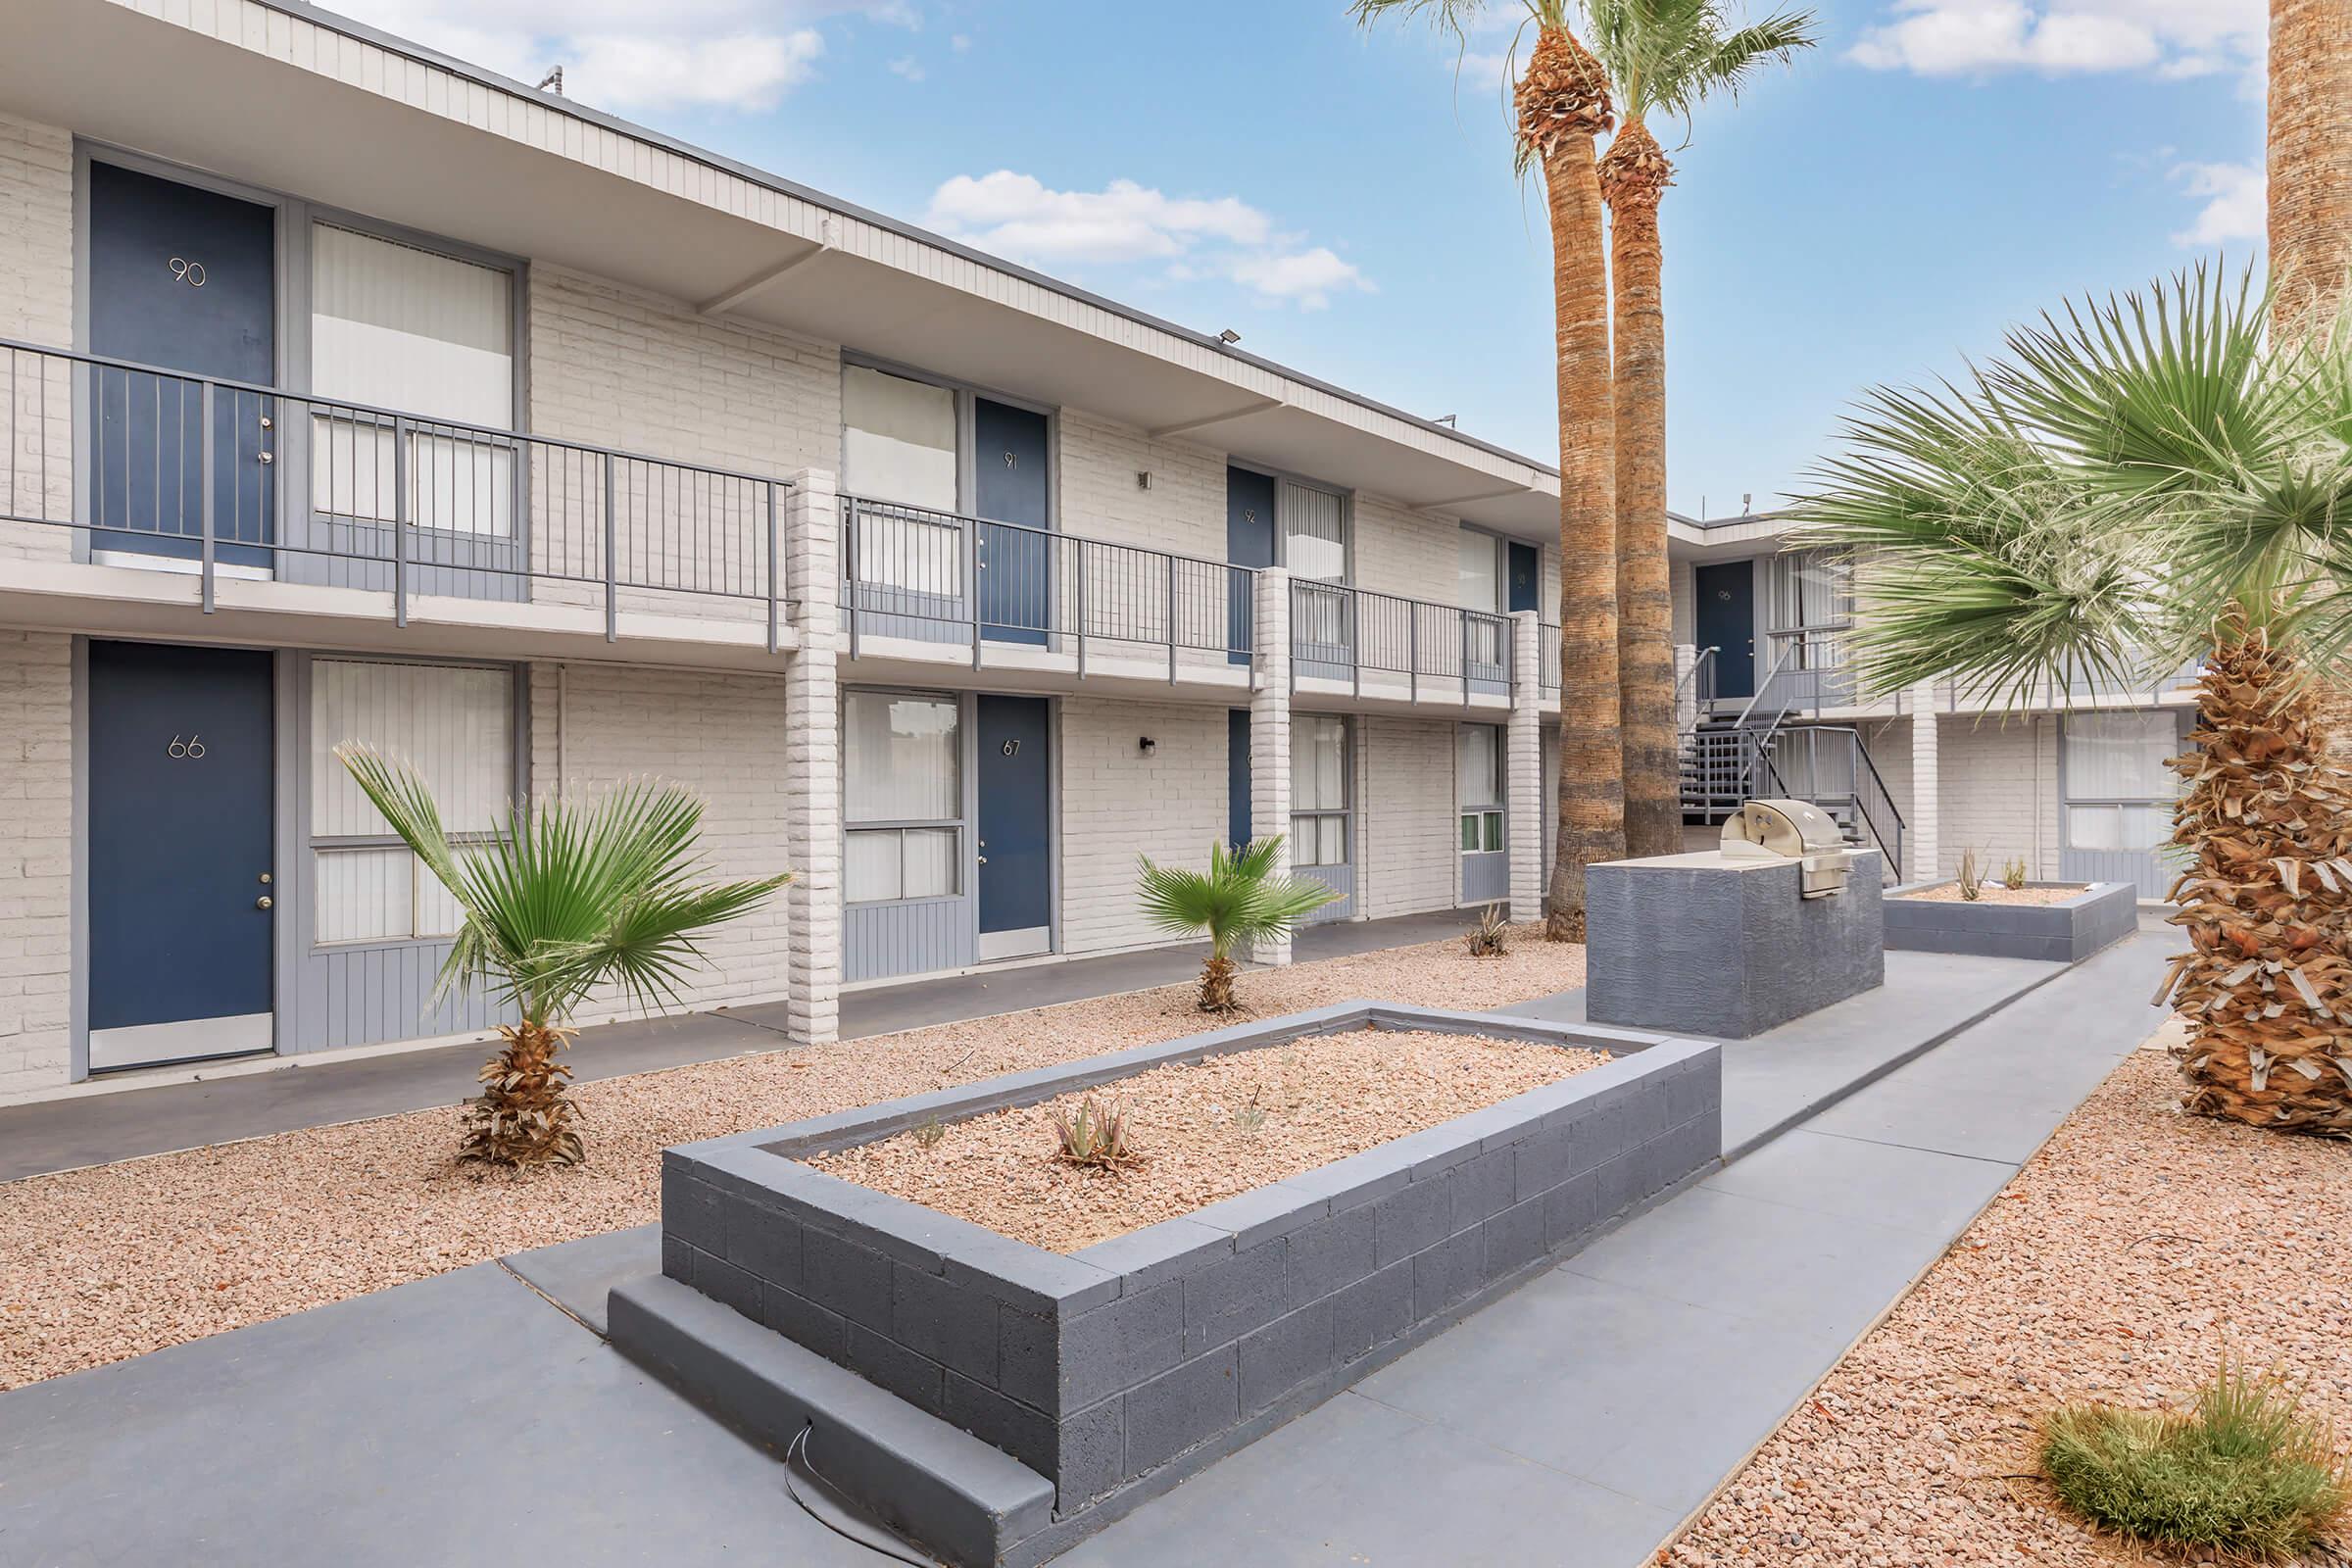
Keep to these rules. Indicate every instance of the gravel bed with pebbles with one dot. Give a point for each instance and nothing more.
(1994, 893)
(1201, 1130)
(117, 1260)
(2119, 1265)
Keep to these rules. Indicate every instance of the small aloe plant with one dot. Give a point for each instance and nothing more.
(1095, 1136)
(1491, 937)
(1971, 876)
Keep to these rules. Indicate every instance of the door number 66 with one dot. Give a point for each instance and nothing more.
(193, 746)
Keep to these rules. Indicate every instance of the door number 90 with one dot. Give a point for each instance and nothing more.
(193, 746)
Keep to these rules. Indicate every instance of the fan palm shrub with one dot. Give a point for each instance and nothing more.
(1560, 105)
(562, 899)
(1240, 897)
(2139, 482)
(1663, 58)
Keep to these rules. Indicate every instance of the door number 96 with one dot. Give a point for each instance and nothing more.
(193, 746)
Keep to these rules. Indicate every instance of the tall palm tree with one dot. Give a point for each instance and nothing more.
(1562, 104)
(558, 901)
(1237, 899)
(2309, 161)
(1663, 57)
(2137, 482)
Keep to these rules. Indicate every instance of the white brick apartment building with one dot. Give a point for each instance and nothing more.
(2070, 783)
(355, 394)
(352, 393)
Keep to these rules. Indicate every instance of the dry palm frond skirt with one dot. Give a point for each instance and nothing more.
(2266, 989)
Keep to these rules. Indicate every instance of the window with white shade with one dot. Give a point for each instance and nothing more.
(902, 796)
(395, 327)
(1478, 578)
(1314, 532)
(1478, 786)
(2119, 792)
(1318, 790)
(455, 724)
(899, 458)
(1810, 593)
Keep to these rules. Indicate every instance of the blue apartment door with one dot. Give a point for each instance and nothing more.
(1011, 459)
(1526, 587)
(1237, 775)
(182, 280)
(1725, 621)
(180, 889)
(1248, 542)
(1016, 827)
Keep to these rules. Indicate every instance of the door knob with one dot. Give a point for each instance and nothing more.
(262, 903)
(265, 879)
(264, 459)
(983, 860)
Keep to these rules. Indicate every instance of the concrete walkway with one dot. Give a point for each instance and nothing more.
(478, 1418)
(324, 1089)
(1581, 1418)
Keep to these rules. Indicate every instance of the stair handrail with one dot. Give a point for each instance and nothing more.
(1704, 658)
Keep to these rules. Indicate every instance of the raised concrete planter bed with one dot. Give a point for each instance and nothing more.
(1016, 1400)
(2068, 932)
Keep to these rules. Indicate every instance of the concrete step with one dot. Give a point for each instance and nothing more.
(929, 1481)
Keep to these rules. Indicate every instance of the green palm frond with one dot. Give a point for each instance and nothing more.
(1669, 56)
(563, 898)
(2096, 500)
(1237, 899)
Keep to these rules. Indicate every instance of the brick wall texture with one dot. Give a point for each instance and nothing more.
(36, 860)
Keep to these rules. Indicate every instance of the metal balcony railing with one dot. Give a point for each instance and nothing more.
(913, 574)
(226, 477)
(1547, 658)
(1337, 632)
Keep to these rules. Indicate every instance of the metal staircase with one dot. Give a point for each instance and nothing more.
(1764, 750)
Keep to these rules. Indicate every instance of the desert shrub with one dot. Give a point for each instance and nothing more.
(1971, 876)
(1097, 1136)
(1490, 937)
(2245, 1473)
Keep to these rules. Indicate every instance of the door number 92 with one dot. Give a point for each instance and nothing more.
(193, 746)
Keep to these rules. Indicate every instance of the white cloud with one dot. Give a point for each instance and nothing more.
(2172, 38)
(2235, 203)
(909, 66)
(961, 43)
(1305, 278)
(1124, 223)
(624, 55)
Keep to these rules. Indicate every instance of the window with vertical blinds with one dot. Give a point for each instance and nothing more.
(1318, 790)
(2119, 792)
(1314, 532)
(902, 796)
(1478, 786)
(1478, 578)
(455, 724)
(394, 326)
(1810, 593)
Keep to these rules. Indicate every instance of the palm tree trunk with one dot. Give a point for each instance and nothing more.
(525, 1116)
(1634, 174)
(2266, 985)
(1216, 985)
(2310, 161)
(1563, 104)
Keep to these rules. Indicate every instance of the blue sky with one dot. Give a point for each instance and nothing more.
(1936, 172)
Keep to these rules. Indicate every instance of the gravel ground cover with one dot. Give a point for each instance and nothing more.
(117, 1260)
(2118, 1267)
(1201, 1130)
(1994, 893)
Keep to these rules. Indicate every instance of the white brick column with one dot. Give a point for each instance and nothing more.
(812, 757)
(1523, 749)
(1921, 831)
(1270, 733)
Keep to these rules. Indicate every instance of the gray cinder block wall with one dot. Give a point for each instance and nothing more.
(1693, 944)
(1115, 1371)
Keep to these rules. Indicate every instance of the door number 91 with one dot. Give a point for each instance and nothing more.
(193, 746)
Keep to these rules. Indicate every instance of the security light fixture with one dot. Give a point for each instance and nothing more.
(1145, 745)
(1229, 335)
(1143, 478)
(1447, 421)
(553, 82)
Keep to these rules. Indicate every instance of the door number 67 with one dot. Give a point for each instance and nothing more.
(193, 746)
